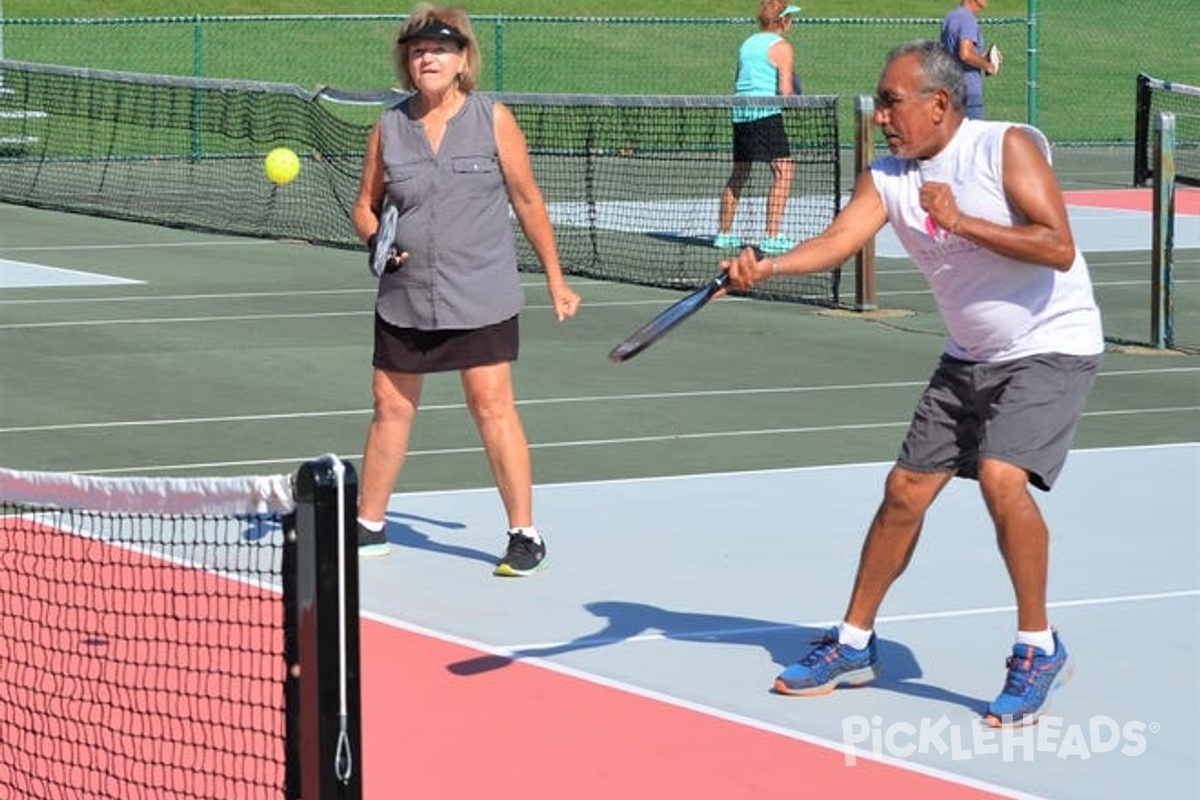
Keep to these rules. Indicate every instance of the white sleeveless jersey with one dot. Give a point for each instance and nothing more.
(995, 308)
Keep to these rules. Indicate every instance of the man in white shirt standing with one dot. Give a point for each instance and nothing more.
(978, 208)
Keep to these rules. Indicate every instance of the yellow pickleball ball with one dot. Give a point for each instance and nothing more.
(282, 165)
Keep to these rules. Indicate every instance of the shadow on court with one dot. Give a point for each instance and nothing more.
(784, 643)
(401, 533)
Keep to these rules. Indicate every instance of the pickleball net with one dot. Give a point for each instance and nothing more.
(167, 637)
(1154, 97)
(1167, 154)
(632, 183)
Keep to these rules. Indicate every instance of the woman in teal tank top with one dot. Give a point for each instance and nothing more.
(766, 64)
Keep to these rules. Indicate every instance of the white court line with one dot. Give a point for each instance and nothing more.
(367, 290)
(23, 275)
(715, 713)
(174, 320)
(361, 312)
(549, 401)
(175, 297)
(513, 652)
(449, 451)
(55, 248)
(720, 633)
(771, 471)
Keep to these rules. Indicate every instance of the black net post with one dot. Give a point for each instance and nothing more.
(320, 581)
(1141, 132)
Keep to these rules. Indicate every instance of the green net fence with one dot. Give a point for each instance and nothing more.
(631, 182)
(1071, 65)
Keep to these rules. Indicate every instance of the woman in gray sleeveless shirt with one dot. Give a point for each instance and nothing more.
(451, 162)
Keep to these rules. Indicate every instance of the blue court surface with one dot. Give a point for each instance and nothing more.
(697, 590)
(705, 506)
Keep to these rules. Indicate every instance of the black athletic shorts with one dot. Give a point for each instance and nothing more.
(417, 351)
(760, 140)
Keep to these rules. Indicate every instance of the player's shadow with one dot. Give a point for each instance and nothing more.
(259, 527)
(783, 642)
(401, 533)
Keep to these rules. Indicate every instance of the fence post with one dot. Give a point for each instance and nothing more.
(864, 149)
(197, 72)
(499, 53)
(1031, 80)
(1162, 279)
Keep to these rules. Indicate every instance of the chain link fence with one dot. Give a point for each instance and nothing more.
(1071, 65)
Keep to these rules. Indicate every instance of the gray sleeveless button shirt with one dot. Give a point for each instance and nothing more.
(461, 271)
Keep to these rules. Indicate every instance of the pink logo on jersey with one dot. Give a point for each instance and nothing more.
(935, 232)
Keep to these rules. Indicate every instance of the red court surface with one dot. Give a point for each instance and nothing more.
(125, 675)
(527, 731)
(652, 680)
(1187, 201)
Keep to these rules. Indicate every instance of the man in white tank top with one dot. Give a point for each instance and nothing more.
(979, 210)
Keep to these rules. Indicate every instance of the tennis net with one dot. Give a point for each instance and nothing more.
(631, 183)
(156, 640)
(1155, 96)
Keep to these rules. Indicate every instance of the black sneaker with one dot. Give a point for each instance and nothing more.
(372, 543)
(523, 557)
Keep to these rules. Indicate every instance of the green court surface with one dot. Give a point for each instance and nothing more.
(227, 355)
(134, 350)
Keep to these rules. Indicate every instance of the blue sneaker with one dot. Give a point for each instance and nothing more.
(828, 665)
(727, 241)
(774, 245)
(1032, 677)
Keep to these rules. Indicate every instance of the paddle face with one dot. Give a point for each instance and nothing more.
(385, 241)
(994, 55)
(667, 321)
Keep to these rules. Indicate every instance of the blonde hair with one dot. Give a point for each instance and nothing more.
(455, 17)
(770, 12)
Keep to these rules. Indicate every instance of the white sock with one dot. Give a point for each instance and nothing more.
(530, 531)
(374, 525)
(1043, 639)
(852, 636)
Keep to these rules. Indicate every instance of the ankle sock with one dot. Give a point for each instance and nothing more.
(1041, 639)
(852, 636)
(529, 531)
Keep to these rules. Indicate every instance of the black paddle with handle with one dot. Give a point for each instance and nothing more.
(383, 255)
(668, 320)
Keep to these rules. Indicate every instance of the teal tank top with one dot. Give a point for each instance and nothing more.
(756, 75)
